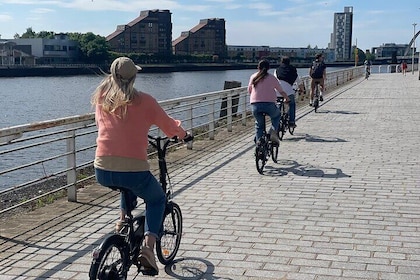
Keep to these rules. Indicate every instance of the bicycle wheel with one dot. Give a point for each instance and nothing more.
(274, 152)
(110, 260)
(316, 104)
(260, 156)
(168, 245)
(282, 129)
(291, 130)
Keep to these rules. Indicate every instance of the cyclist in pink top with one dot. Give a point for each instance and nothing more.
(262, 87)
(124, 116)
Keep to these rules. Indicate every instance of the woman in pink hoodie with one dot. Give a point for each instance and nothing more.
(124, 116)
(262, 87)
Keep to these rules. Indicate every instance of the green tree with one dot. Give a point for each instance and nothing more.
(93, 48)
(370, 56)
(28, 34)
(45, 34)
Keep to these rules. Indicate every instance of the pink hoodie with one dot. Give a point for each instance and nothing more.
(127, 137)
(265, 89)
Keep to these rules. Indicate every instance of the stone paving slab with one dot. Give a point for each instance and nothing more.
(343, 202)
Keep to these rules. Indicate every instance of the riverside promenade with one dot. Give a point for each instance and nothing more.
(343, 201)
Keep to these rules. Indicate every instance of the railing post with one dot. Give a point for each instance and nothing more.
(71, 166)
(190, 124)
(229, 113)
(211, 121)
(244, 103)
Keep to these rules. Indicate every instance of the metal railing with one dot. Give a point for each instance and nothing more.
(58, 154)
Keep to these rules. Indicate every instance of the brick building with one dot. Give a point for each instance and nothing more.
(208, 38)
(149, 33)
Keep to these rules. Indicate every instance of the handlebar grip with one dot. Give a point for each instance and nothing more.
(188, 138)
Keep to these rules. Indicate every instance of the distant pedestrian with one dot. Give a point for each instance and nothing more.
(404, 67)
(367, 64)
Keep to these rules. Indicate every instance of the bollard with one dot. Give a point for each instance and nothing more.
(235, 99)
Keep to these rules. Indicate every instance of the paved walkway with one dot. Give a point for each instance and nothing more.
(343, 202)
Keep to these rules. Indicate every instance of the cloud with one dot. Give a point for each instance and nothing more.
(376, 12)
(233, 6)
(32, 2)
(5, 18)
(42, 11)
(220, 1)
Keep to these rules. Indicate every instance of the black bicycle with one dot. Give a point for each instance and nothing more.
(367, 72)
(113, 258)
(317, 96)
(284, 119)
(265, 148)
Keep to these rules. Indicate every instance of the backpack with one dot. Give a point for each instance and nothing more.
(317, 70)
(287, 73)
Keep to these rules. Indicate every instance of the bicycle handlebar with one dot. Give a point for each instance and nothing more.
(281, 100)
(155, 141)
(175, 139)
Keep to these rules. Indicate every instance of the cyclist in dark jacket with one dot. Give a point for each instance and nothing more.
(289, 80)
(318, 73)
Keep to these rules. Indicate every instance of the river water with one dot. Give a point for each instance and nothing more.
(33, 99)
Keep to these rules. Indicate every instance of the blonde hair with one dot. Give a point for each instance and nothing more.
(114, 94)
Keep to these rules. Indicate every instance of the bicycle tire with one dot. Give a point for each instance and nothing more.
(168, 245)
(282, 129)
(316, 104)
(291, 130)
(274, 152)
(316, 100)
(110, 259)
(260, 157)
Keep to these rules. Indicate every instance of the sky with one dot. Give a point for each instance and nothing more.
(274, 23)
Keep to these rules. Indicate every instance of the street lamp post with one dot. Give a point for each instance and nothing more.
(414, 47)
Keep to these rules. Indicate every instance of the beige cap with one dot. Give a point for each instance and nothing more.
(124, 68)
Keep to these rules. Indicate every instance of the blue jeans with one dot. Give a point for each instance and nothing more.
(292, 109)
(271, 110)
(144, 185)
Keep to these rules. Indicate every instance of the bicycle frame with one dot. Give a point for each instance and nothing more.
(284, 118)
(156, 142)
(264, 149)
